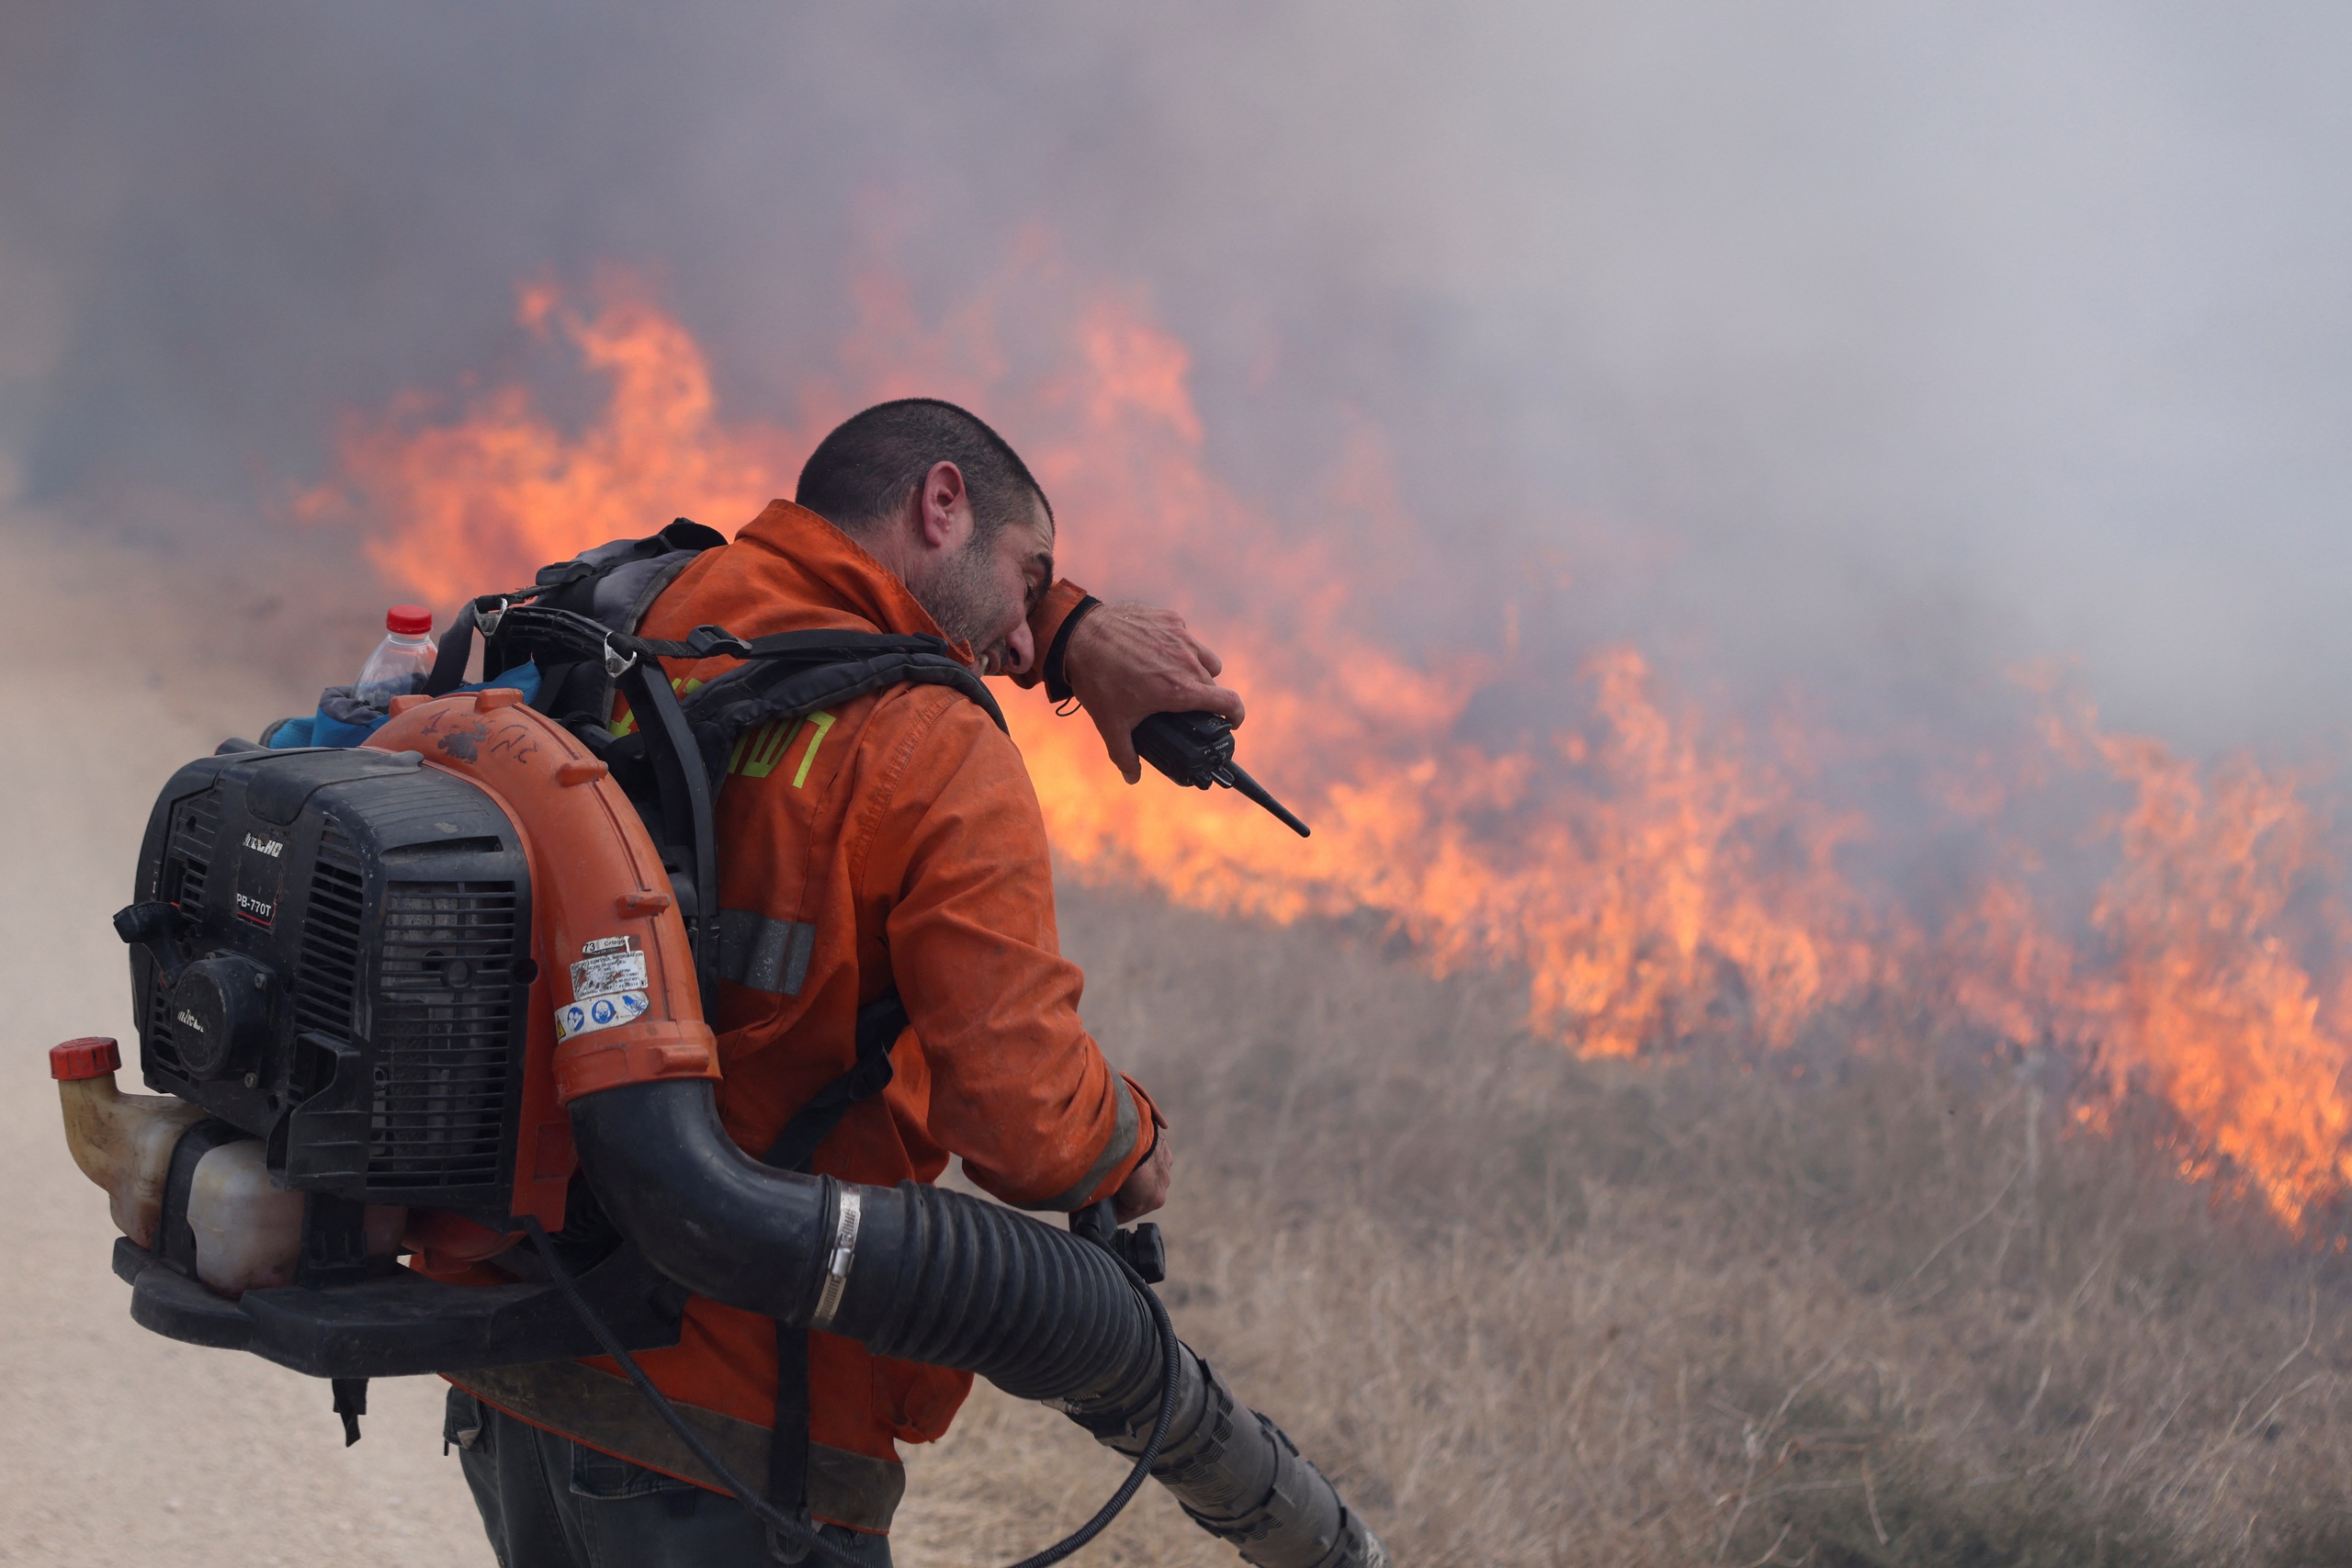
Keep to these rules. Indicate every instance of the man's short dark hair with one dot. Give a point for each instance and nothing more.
(872, 462)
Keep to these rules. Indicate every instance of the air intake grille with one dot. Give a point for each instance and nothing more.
(187, 857)
(444, 1033)
(161, 1046)
(187, 866)
(326, 983)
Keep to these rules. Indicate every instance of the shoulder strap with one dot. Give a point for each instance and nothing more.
(613, 585)
(879, 1024)
(792, 674)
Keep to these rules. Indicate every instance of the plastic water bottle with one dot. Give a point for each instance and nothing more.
(401, 661)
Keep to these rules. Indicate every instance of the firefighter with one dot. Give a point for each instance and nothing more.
(892, 848)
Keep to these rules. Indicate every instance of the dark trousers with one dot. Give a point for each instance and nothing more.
(549, 1502)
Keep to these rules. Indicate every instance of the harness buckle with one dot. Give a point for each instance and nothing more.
(708, 642)
(616, 663)
(488, 623)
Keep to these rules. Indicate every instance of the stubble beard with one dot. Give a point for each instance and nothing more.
(961, 595)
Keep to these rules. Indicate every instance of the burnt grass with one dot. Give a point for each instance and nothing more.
(1878, 1299)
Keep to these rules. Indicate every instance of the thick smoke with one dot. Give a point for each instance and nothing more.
(1813, 339)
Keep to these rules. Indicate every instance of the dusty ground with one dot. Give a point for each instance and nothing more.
(122, 1447)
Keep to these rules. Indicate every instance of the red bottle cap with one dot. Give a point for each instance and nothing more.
(408, 620)
(93, 1056)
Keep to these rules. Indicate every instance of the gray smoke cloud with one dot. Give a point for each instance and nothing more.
(1822, 338)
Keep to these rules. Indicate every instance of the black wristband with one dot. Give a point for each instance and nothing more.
(1056, 684)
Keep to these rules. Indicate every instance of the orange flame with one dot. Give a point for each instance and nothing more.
(493, 498)
(1654, 872)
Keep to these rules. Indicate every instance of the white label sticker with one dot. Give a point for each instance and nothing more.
(604, 974)
(606, 945)
(600, 1012)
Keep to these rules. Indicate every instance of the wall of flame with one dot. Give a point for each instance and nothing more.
(1664, 875)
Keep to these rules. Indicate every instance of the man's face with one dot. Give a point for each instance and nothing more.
(982, 593)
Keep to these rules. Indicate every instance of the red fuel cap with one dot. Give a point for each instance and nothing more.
(93, 1056)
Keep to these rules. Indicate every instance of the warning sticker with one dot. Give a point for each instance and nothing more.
(599, 1013)
(606, 973)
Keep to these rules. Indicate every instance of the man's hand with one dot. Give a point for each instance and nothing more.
(1146, 1188)
(1130, 660)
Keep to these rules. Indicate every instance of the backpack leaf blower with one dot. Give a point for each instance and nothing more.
(435, 993)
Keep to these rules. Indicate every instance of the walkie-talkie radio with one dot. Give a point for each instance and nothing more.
(1196, 750)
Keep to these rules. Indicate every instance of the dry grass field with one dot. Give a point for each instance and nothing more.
(1527, 1310)
(1532, 1311)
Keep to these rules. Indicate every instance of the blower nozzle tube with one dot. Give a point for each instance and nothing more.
(922, 1275)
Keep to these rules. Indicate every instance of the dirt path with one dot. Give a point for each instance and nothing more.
(120, 1446)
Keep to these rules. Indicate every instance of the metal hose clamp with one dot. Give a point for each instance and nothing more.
(846, 1215)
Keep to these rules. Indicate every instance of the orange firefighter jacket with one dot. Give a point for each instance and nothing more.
(894, 843)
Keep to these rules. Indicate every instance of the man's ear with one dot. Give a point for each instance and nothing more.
(943, 509)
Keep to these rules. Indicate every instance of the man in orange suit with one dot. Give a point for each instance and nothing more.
(883, 866)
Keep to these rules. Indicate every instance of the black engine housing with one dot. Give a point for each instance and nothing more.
(340, 965)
